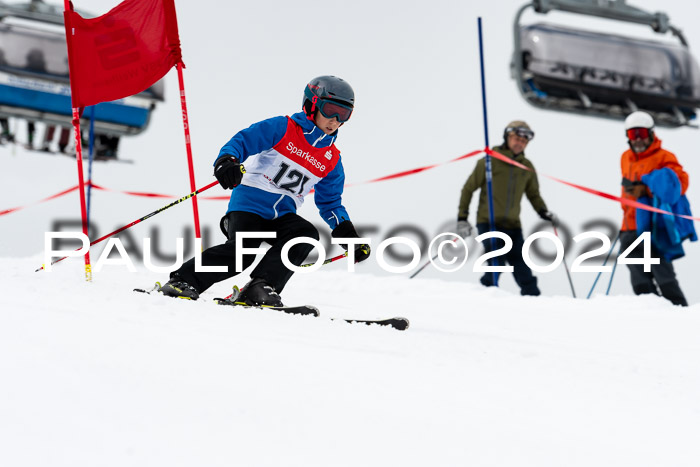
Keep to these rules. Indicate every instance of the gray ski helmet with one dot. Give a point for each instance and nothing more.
(329, 88)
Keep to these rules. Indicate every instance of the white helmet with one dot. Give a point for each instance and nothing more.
(639, 119)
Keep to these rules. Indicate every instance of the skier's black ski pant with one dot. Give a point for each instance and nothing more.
(270, 268)
(661, 274)
(521, 271)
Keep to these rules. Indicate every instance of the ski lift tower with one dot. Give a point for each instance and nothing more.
(605, 75)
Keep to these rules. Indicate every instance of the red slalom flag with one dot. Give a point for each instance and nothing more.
(122, 52)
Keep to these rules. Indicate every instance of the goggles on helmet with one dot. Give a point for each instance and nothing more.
(522, 132)
(331, 109)
(638, 133)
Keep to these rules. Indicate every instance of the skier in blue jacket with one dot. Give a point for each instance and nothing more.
(285, 158)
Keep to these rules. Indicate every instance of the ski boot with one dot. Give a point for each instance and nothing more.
(259, 293)
(176, 287)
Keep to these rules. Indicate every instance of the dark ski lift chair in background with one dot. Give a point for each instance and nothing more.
(605, 75)
(34, 83)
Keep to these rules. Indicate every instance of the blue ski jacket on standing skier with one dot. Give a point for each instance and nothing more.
(667, 232)
(282, 166)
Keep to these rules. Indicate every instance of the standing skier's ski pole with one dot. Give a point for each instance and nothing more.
(568, 274)
(604, 263)
(157, 211)
(428, 262)
(612, 274)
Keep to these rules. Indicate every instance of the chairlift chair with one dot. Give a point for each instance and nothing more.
(605, 75)
(34, 82)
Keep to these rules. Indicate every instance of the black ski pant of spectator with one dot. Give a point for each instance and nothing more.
(270, 268)
(661, 275)
(521, 271)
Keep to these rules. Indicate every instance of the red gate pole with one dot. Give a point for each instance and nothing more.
(79, 160)
(81, 187)
(188, 144)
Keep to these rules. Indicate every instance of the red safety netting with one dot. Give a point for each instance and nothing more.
(602, 194)
(401, 174)
(57, 195)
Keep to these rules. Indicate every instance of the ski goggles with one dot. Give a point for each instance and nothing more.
(638, 133)
(522, 132)
(332, 109)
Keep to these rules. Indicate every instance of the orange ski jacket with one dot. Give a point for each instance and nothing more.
(635, 165)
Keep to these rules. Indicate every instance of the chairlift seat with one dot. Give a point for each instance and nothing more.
(591, 72)
(34, 84)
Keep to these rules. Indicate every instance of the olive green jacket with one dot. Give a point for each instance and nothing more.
(509, 183)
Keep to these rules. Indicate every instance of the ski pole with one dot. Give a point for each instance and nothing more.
(147, 216)
(604, 263)
(328, 261)
(236, 290)
(424, 266)
(566, 268)
(428, 262)
(612, 274)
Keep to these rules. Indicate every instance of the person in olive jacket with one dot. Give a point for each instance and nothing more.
(509, 184)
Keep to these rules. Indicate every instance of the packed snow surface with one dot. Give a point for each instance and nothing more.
(95, 374)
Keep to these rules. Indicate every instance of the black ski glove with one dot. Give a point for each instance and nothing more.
(549, 216)
(228, 171)
(637, 190)
(347, 230)
(634, 188)
(464, 229)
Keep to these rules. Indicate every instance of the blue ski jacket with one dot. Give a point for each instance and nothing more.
(667, 232)
(258, 146)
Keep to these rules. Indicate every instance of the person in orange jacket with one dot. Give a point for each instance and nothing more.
(644, 157)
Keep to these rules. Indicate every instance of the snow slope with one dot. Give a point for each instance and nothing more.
(94, 374)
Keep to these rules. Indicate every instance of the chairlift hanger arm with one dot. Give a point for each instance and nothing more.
(612, 9)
